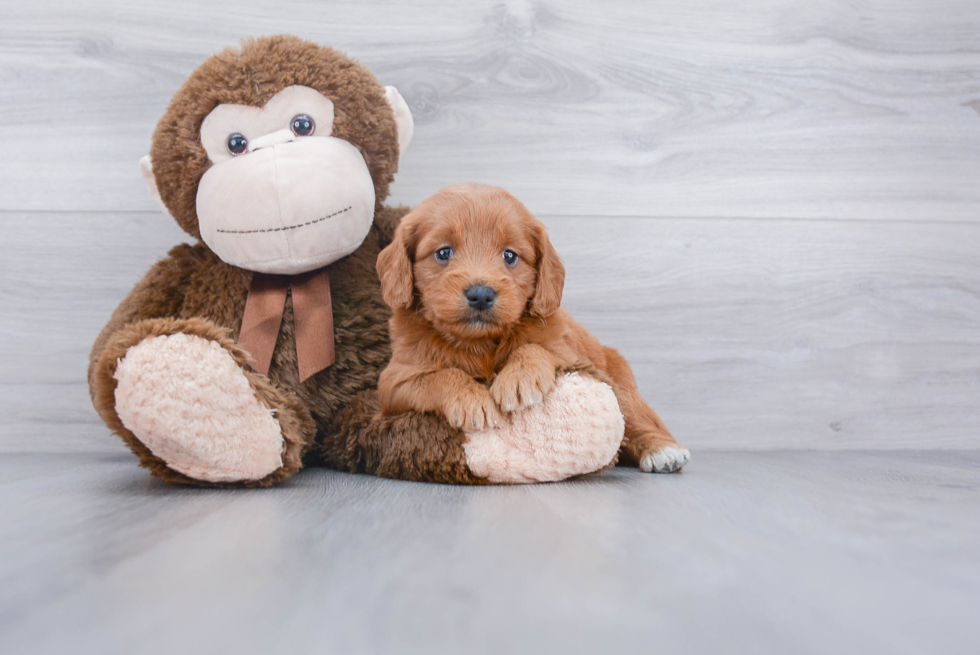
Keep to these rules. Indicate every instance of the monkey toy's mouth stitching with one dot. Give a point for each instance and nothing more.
(287, 227)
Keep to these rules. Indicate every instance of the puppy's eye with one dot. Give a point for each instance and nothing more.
(510, 258)
(302, 125)
(443, 255)
(237, 144)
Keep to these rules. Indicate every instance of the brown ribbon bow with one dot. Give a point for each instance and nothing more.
(313, 314)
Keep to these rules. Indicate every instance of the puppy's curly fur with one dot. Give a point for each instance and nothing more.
(478, 330)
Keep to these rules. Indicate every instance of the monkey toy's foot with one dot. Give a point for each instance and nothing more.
(189, 401)
(577, 429)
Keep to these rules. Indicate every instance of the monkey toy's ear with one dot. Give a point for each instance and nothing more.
(403, 117)
(146, 170)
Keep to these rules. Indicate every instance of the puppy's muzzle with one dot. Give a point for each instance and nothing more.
(480, 297)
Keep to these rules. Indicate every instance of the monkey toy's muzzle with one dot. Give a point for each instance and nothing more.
(287, 207)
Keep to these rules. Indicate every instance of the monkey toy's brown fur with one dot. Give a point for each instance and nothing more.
(328, 418)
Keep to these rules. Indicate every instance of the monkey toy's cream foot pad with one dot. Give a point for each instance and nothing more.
(190, 403)
(577, 429)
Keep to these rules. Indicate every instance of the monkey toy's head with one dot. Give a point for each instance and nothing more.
(277, 154)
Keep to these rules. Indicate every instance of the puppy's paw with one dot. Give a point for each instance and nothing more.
(472, 409)
(516, 387)
(666, 459)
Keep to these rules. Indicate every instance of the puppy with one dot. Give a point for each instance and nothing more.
(477, 328)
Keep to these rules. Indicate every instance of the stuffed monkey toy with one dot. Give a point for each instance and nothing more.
(240, 359)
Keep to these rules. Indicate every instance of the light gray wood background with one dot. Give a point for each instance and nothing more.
(772, 208)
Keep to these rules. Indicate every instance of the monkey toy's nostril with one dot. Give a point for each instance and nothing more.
(480, 297)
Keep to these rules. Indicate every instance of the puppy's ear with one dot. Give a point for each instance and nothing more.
(395, 267)
(551, 275)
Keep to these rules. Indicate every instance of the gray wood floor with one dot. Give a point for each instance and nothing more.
(772, 208)
(768, 552)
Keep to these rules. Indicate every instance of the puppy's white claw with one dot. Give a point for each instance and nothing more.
(666, 460)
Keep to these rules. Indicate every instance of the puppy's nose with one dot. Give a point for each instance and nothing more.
(480, 297)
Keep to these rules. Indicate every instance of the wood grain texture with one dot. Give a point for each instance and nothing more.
(837, 109)
(742, 333)
(741, 553)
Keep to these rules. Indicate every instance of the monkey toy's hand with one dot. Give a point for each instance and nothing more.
(576, 429)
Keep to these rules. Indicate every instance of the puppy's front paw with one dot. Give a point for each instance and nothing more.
(472, 409)
(665, 460)
(520, 386)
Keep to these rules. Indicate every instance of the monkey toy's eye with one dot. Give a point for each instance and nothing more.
(302, 125)
(237, 144)
(443, 255)
(510, 258)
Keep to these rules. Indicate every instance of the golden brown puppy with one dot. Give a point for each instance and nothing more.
(477, 328)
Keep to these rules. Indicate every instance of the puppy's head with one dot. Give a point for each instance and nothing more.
(473, 260)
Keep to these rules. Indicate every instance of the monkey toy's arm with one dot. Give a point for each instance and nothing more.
(576, 430)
